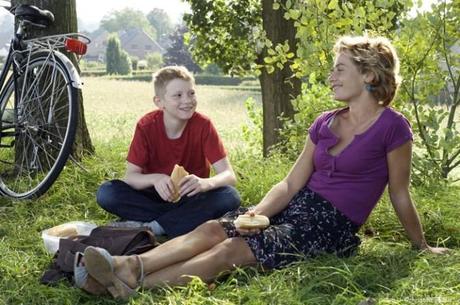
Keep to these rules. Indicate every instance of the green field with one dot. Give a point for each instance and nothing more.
(112, 108)
(386, 269)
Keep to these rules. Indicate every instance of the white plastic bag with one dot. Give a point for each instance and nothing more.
(52, 235)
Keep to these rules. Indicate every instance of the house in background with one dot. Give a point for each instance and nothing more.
(138, 43)
(97, 47)
(135, 42)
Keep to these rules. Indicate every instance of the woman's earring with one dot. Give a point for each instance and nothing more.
(370, 88)
(380, 103)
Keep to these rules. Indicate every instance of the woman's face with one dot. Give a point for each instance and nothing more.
(347, 82)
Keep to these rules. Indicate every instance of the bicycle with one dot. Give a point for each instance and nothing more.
(38, 105)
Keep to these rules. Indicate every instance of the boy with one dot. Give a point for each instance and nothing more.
(173, 134)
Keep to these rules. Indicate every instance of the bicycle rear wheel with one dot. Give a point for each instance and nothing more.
(37, 130)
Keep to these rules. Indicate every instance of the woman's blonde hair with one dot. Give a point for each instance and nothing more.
(374, 55)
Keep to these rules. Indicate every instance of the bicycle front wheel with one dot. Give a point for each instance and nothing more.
(37, 129)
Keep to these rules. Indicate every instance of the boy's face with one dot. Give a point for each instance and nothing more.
(179, 100)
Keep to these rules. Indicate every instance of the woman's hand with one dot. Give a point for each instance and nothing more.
(435, 250)
(191, 185)
(248, 231)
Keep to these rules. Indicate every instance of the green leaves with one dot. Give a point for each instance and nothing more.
(117, 60)
(429, 93)
(127, 19)
(228, 33)
(334, 4)
(278, 57)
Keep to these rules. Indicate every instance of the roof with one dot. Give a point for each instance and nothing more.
(127, 36)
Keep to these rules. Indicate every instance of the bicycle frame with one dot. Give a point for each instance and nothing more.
(39, 105)
(6, 68)
(21, 49)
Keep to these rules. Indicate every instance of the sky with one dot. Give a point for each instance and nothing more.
(90, 12)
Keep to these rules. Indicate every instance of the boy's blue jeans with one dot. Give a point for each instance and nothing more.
(178, 218)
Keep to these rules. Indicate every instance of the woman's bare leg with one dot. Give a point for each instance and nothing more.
(230, 253)
(171, 252)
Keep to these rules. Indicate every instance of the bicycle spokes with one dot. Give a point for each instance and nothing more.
(35, 126)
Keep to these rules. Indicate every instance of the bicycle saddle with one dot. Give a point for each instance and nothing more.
(36, 16)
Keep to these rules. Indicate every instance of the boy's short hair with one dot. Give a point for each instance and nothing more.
(163, 76)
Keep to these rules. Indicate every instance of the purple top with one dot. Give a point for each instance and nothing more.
(354, 180)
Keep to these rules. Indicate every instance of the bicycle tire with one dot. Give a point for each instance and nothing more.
(38, 131)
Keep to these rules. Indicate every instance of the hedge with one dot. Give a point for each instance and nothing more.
(200, 79)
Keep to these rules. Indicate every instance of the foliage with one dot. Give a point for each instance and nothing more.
(200, 79)
(217, 80)
(112, 53)
(160, 20)
(225, 33)
(124, 65)
(320, 23)
(117, 60)
(178, 53)
(315, 100)
(230, 33)
(134, 62)
(252, 131)
(212, 69)
(430, 92)
(98, 72)
(154, 61)
(125, 19)
(91, 65)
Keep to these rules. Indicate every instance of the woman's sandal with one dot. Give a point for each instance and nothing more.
(80, 274)
(99, 264)
(83, 280)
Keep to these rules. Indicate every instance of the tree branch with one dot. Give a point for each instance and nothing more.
(452, 158)
(414, 101)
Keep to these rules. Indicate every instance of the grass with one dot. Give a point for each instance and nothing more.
(386, 268)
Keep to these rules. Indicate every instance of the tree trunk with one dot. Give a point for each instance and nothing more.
(65, 15)
(279, 87)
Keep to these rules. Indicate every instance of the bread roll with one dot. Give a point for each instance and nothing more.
(63, 230)
(246, 221)
(176, 176)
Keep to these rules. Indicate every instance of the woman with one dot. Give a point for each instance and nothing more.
(350, 155)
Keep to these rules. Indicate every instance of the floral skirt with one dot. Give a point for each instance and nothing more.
(309, 226)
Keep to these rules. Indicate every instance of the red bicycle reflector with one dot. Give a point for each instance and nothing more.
(75, 46)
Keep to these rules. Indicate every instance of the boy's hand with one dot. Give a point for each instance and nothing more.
(191, 185)
(164, 187)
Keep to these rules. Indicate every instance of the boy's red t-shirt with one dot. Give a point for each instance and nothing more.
(198, 147)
